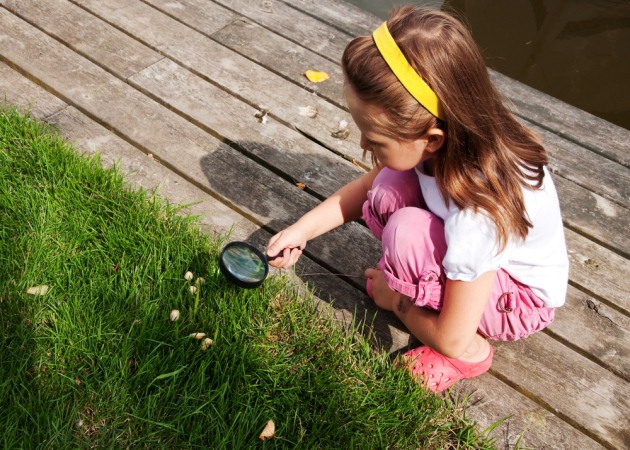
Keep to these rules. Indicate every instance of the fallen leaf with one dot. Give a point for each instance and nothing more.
(37, 290)
(342, 134)
(197, 335)
(269, 431)
(261, 116)
(174, 315)
(205, 345)
(316, 77)
(308, 111)
(301, 186)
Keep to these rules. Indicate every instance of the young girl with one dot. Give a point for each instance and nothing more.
(460, 196)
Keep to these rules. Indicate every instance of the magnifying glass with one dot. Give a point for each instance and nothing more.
(244, 265)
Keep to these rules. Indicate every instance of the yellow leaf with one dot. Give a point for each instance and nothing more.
(316, 77)
(269, 431)
(37, 290)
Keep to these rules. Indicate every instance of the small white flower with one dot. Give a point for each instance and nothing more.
(193, 289)
(189, 276)
(174, 315)
(205, 345)
(200, 280)
(197, 335)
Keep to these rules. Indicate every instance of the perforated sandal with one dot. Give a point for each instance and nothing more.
(438, 372)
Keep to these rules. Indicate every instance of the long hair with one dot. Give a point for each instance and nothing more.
(488, 156)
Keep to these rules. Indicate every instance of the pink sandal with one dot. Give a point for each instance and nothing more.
(439, 372)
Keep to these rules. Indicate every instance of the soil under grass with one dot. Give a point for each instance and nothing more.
(96, 362)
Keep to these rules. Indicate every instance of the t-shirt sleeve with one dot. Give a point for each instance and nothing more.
(472, 246)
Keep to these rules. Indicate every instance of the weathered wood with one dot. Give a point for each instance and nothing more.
(565, 120)
(260, 45)
(489, 400)
(598, 271)
(13, 91)
(293, 25)
(586, 168)
(276, 146)
(229, 70)
(339, 14)
(594, 216)
(595, 329)
(581, 392)
(87, 35)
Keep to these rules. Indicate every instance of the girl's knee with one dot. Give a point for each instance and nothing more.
(410, 228)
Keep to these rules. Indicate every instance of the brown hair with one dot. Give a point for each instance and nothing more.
(488, 155)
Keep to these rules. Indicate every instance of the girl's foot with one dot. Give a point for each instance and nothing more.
(378, 290)
(438, 372)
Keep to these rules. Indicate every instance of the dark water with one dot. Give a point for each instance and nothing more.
(575, 50)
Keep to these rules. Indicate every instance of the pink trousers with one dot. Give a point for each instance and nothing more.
(414, 246)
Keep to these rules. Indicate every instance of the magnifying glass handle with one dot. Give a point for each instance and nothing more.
(280, 253)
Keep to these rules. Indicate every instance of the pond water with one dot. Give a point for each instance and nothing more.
(575, 50)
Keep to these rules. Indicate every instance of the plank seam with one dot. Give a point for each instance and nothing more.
(280, 74)
(570, 138)
(286, 37)
(543, 404)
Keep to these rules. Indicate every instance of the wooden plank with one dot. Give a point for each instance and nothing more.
(339, 14)
(260, 45)
(594, 216)
(18, 91)
(578, 390)
(293, 25)
(88, 36)
(229, 70)
(276, 146)
(489, 400)
(586, 168)
(595, 329)
(565, 120)
(599, 272)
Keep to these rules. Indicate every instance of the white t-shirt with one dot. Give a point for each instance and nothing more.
(540, 261)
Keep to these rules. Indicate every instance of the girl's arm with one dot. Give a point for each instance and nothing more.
(453, 331)
(341, 207)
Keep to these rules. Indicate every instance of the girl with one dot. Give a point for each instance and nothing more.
(460, 196)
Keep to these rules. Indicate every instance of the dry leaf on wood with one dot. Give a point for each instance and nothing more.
(316, 77)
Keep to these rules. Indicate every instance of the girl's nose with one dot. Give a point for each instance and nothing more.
(363, 142)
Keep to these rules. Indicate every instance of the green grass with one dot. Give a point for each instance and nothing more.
(95, 362)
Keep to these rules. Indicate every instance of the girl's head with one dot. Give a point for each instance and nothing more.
(487, 155)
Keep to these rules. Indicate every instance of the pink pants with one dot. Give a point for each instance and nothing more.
(413, 248)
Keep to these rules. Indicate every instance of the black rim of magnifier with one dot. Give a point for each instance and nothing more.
(231, 277)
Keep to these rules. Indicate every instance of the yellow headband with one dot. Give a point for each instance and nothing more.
(406, 74)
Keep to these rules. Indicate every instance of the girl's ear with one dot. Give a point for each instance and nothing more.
(435, 140)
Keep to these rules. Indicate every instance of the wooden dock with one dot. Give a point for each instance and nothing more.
(206, 102)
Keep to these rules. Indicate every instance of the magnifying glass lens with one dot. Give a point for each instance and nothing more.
(243, 264)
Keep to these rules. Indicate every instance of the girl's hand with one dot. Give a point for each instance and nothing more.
(286, 247)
